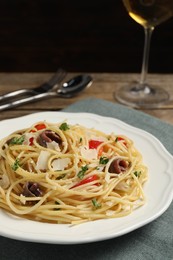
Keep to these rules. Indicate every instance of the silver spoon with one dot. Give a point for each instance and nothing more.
(67, 90)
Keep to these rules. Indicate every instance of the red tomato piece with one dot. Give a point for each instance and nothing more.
(86, 180)
(93, 144)
(31, 140)
(39, 127)
(122, 139)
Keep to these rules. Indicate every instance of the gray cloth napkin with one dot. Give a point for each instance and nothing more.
(153, 241)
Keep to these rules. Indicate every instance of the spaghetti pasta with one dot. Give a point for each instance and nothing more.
(61, 173)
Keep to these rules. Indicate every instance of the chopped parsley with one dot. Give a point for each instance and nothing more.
(17, 140)
(96, 204)
(103, 160)
(16, 165)
(64, 127)
(81, 173)
(137, 173)
(80, 140)
(61, 176)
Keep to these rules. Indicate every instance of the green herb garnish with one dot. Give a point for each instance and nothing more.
(103, 160)
(137, 173)
(17, 140)
(64, 127)
(116, 140)
(16, 165)
(80, 140)
(81, 173)
(61, 176)
(96, 204)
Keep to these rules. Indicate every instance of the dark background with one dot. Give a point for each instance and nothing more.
(77, 35)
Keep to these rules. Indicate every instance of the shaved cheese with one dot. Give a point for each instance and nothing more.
(42, 160)
(27, 139)
(60, 164)
(89, 154)
(22, 199)
(53, 145)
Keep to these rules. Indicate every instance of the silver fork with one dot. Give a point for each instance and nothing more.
(52, 83)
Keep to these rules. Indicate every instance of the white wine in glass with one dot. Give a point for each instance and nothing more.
(149, 14)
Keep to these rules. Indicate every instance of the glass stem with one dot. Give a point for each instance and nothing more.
(148, 33)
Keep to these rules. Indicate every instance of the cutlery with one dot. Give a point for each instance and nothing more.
(66, 90)
(51, 83)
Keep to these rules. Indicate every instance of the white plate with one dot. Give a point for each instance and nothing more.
(158, 189)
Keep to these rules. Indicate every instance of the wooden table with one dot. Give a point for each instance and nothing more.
(104, 85)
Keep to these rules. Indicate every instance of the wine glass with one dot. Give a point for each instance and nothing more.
(148, 13)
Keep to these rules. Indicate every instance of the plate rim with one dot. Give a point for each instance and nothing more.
(89, 239)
